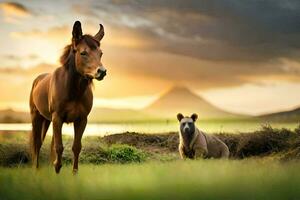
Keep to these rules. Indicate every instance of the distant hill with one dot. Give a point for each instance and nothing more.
(11, 116)
(290, 115)
(181, 99)
(96, 115)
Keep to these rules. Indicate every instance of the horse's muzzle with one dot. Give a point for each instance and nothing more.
(102, 74)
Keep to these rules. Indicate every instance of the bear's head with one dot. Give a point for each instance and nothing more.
(187, 124)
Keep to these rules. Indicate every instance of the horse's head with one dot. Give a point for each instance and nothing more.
(87, 53)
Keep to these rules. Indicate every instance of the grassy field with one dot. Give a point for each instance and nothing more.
(202, 179)
(263, 165)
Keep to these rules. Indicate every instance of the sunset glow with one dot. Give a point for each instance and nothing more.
(145, 55)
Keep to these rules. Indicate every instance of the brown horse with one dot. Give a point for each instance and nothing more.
(66, 95)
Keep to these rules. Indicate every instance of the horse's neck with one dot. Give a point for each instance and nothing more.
(76, 84)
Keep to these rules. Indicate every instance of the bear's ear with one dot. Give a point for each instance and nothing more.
(179, 117)
(194, 117)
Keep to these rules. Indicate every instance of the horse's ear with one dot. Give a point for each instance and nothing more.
(100, 33)
(194, 117)
(77, 32)
(179, 117)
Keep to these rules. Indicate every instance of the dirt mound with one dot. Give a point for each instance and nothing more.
(167, 142)
(266, 141)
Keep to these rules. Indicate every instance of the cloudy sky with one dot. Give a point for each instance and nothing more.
(242, 56)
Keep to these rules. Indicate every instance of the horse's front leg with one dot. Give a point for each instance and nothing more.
(79, 126)
(58, 144)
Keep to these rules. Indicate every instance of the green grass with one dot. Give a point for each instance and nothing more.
(202, 179)
(264, 165)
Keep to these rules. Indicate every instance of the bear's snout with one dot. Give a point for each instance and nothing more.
(186, 129)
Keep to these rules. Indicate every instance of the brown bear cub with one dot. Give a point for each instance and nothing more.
(194, 143)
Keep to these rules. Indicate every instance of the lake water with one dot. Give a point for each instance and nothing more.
(100, 129)
(163, 127)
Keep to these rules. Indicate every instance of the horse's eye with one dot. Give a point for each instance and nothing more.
(84, 53)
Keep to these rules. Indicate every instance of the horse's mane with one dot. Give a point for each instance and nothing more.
(65, 57)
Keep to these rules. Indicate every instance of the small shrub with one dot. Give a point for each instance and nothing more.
(13, 155)
(94, 155)
(125, 154)
(117, 153)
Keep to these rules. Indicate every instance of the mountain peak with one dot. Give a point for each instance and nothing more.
(182, 99)
(179, 89)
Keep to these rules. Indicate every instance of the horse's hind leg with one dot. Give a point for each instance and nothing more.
(46, 124)
(36, 136)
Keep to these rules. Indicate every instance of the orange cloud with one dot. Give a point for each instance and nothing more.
(62, 36)
(58, 34)
(13, 12)
(11, 9)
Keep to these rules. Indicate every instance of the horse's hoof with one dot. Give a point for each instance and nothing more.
(57, 167)
(75, 171)
(35, 166)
